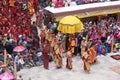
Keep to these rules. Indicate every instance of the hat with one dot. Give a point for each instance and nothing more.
(40, 10)
(84, 38)
(90, 39)
(5, 34)
(25, 42)
(39, 53)
(11, 40)
(20, 36)
(14, 25)
(118, 28)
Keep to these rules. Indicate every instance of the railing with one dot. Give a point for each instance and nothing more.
(81, 7)
(86, 10)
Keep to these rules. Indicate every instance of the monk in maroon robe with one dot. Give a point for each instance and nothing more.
(1, 6)
(6, 10)
(39, 18)
(36, 4)
(46, 52)
(42, 37)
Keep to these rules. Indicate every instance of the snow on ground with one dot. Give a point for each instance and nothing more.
(99, 71)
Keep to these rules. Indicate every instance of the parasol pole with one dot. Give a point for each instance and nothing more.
(112, 45)
(87, 37)
(30, 78)
(15, 71)
(5, 57)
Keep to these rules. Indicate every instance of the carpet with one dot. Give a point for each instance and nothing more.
(117, 57)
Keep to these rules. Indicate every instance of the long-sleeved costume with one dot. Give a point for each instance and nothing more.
(69, 60)
(85, 58)
(58, 57)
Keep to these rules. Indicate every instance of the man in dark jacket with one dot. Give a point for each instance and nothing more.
(79, 43)
(1, 47)
(34, 29)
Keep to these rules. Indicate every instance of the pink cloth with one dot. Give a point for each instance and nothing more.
(54, 1)
(59, 4)
(6, 76)
(93, 37)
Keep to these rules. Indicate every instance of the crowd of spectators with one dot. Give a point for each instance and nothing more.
(16, 29)
(64, 3)
(32, 56)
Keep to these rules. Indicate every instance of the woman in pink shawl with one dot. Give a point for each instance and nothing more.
(59, 4)
(103, 36)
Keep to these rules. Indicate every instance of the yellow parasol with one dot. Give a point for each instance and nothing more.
(70, 24)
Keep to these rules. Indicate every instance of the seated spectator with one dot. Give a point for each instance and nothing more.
(78, 2)
(59, 4)
(66, 3)
(21, 63)
(40, 58)
(73, 3)
(54, 2)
